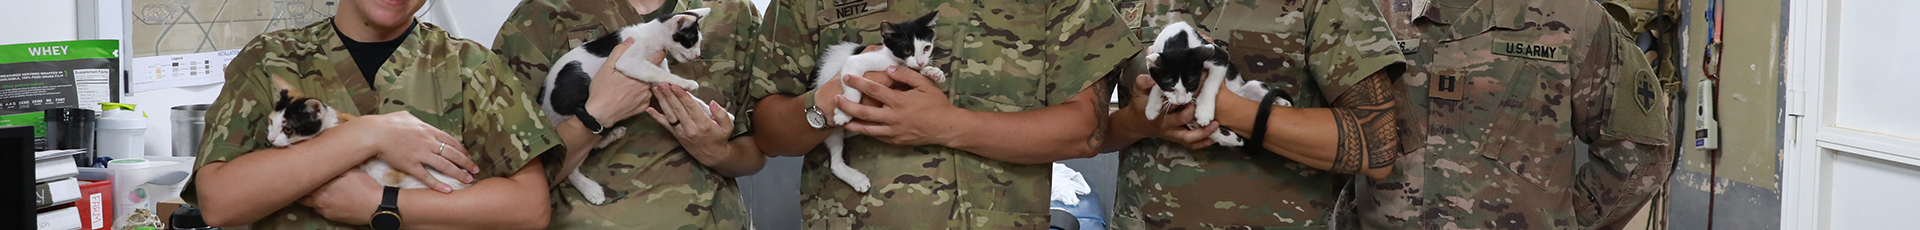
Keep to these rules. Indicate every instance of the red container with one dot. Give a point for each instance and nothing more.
(96, 205)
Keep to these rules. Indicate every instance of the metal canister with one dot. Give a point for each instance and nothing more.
(188, 122)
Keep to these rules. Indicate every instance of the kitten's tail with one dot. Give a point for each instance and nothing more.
(831, 60)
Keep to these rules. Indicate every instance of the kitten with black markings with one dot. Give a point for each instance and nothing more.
(566, 90)
(908, 44)
(1181, 61)
(297, 117)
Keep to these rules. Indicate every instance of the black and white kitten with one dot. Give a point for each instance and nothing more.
(907, 44)
(566, 90)
(1182, 61)
(297, 117)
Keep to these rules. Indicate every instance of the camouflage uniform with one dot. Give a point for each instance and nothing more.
(446, 82)
(1166, 186)
(1003, 56)
(651, 182)
(1499, 92)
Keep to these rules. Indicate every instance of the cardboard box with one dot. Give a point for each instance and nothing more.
(166, 209)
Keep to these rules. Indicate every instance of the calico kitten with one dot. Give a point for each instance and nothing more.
(566, 90)
(907, 44)
(1182, 61)
(297, 117)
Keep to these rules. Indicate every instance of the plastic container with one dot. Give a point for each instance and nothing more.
(72, 128)
(188, 122)
(122, 133)
(139, 190)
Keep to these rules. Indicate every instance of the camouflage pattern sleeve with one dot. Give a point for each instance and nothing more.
(524, 48)
(731, 34)
(1350, 44)
(1623, 114)
(504, 129)
(787, 50)
(1350, 41)
(244, 103)
(1087, 41)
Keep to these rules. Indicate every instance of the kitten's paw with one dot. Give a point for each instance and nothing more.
(854, 178)
(840, 117)
(594, 196)
(1227, 138)
(1203, 116)
(591, 191)
(934, 73)
(684, 83)
(611, 135)
(860, 184)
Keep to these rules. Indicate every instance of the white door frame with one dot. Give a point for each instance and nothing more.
(1811, 136)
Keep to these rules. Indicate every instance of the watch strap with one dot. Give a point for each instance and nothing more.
(593, 125)
(387, 216)
(808, 96)
(1259, 132)
(390, 198)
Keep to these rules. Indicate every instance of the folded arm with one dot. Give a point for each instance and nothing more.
(517, 201)
(924, 115)
(247, 188)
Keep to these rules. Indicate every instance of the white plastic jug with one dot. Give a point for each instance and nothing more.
(122, 132)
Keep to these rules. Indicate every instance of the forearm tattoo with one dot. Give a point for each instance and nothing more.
(1365, 122)
(1100, 109)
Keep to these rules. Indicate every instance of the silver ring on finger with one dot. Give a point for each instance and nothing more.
(442, 149)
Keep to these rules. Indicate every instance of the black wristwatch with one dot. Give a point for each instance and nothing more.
(593, 125)
(388, 216)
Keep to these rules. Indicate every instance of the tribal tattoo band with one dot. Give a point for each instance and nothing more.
(1365, 123)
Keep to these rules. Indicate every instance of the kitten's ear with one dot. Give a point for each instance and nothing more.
(281, 104)
(683, 19)
(887, 30)
(314, 106)
(930, 18)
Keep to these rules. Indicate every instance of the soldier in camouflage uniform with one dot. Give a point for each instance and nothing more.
(651, 179)
(1318, 49)
(965, 153)
(436, 99)
(1499, 92)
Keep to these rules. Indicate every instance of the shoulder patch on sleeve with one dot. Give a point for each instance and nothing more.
(1639, 110)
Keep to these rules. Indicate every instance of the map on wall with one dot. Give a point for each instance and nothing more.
(168, 27)
(179, 43)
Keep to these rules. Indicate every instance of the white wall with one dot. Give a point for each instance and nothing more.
(37, 21)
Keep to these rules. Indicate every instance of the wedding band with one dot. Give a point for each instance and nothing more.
(674, 123)
(442, 149)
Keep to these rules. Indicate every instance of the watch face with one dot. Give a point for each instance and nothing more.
(386, 221)
(815, 119)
